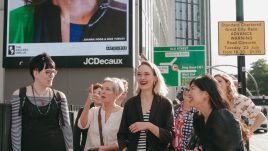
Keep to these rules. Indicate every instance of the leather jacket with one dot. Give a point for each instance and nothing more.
(221, 132)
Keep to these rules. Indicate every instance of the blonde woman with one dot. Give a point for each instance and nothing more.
(108, 116)
(240, 105)
(121, 100)
(147, 122)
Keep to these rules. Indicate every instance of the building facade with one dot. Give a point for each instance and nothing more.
(193, 24)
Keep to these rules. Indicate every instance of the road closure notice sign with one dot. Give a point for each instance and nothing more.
(241, 38)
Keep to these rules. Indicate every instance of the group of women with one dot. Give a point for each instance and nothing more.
(145, 122)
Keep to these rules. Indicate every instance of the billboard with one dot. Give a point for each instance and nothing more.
(75, 33)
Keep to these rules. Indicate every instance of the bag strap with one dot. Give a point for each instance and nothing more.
(22, 95)
(100, 127)
(58, 100)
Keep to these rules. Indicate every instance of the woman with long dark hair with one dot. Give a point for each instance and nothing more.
(215, 126)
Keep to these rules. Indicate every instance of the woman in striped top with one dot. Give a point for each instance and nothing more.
(147, 121)
(40, 119)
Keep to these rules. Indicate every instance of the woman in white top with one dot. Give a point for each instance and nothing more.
(110, 113)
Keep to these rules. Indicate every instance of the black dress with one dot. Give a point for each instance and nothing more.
(41, 127)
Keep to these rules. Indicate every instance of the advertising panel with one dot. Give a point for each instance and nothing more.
(75, 33)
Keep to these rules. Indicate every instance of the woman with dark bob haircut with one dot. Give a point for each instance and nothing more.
(215, 126)
(40, 116)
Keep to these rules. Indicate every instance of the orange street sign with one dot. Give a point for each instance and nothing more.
(241, 38)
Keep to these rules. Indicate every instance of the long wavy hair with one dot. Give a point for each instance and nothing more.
(231, 89)
(160, 87)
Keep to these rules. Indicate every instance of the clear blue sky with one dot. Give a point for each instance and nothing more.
(225, 10)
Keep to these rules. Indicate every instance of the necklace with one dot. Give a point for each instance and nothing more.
(39, 94)
(42, 113)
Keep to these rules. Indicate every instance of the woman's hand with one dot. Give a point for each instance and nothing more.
(102, 148)
(139, 126)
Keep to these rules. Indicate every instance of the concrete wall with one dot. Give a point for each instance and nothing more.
(73, 82)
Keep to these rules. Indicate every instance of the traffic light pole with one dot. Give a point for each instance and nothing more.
(241, 58)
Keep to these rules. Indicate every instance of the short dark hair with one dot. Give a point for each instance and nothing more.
(209, 84)
(40, 62)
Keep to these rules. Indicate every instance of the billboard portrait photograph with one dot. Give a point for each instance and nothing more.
(91, 32)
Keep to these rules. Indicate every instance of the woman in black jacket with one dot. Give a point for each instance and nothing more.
(216, 126)
(147, 121)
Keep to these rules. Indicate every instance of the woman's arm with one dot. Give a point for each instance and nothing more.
(142, 126)
(165, 134)
(109, 147)
(251, 111)
(258, 120)
(123, 130)
(83, 120)
(66, 127)
(15, 122)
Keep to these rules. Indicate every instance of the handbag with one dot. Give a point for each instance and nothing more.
(100, 131)
(100, 128)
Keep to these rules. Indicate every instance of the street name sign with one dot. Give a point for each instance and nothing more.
(180, 64)
(241, 38)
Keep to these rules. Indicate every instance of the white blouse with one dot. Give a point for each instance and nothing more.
(244, 106)
(109, 128)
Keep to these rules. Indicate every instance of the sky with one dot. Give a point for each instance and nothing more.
(225, 10)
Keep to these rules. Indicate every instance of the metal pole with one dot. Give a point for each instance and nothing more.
(140, 28)
(241, 58)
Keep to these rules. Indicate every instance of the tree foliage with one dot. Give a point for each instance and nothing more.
(259, 70)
